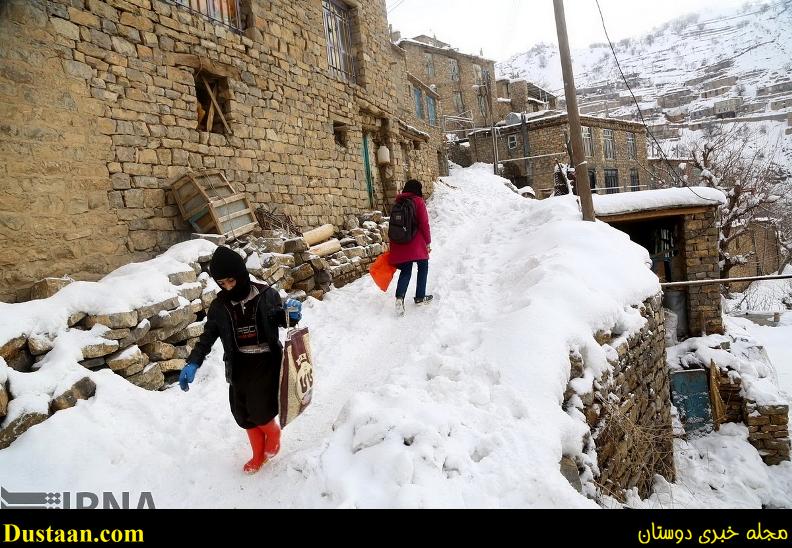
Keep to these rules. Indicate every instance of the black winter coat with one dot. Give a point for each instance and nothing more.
(270, 315)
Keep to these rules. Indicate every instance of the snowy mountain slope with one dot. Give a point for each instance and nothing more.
(454, 405)
(683, 73)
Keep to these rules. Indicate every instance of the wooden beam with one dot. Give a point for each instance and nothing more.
(652, 214)
(216, 105)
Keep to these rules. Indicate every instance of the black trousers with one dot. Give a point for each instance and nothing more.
(253, 392)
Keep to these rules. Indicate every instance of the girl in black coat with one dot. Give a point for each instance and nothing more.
(246, 317)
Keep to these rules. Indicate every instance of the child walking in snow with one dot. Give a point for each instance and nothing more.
(246, 316)
(416, 251)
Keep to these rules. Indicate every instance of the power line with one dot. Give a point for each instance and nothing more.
(399, 3)
(672, 170)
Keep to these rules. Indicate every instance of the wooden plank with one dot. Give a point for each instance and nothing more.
(210, 118)
(217, 106)
(653, 214)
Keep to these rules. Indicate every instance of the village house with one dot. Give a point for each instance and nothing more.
(465, 83)
(105, 102)
(521, 96)
(530, 145)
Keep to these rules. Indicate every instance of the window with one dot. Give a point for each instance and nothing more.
(482, 103)
(225, 12)
(458, 104)
(588, 145)
(337, 23)
(592, 173)
(479, 74)
(212, 105)
(512, 142)
(340, 133)
(431, 107)
(406, 159)
(611, 181)
(635, 182)
(429, 64)
(455, 71)
(610, 145)
(632, 151)
(419, 104)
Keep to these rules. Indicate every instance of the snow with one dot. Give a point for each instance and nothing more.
(647, 200)
(132, 286)
(455, 405)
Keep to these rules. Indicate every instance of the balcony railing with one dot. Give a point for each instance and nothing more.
(224, 12)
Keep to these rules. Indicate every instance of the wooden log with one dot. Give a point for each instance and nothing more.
(319, 235)
(327, 248)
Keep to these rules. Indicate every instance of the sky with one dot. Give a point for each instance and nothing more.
(494, 25)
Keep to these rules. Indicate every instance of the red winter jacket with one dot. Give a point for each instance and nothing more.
(416, 249)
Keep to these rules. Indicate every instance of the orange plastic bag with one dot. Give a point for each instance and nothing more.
(382, 271)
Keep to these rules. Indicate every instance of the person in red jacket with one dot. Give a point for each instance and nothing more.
(403, 256)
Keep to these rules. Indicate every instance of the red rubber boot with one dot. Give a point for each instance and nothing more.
(272, 433)
(257, 442)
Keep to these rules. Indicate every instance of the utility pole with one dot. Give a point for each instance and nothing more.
(573, 114)
(488, 104)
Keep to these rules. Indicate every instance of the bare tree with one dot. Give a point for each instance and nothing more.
(741, 163)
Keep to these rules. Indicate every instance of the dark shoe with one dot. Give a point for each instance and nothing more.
(423, 300)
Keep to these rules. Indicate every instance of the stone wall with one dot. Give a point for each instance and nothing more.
(547, 138)
(701, 258)
(99, 107)
(446, 86)
(761, 241)
(629, 411)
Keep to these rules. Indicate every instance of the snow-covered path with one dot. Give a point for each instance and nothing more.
(455, 405)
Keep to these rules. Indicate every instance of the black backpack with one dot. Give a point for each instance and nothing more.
(403, 224)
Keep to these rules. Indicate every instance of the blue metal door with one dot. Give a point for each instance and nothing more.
(690, 396)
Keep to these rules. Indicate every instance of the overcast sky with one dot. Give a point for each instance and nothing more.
(505, 27)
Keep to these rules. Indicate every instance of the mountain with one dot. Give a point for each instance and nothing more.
(690, 73)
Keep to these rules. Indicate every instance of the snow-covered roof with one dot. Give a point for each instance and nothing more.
(650, 200)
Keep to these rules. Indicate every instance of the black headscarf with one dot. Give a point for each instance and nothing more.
(414, 187)
(227, 263)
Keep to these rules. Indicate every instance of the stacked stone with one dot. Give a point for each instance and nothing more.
(701, 237)
(633, 394)
(729, 387)
(364, 239)
(768, 430)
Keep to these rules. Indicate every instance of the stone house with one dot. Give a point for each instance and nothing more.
(761, 243)
(521, 96)
(615, 151)
(465, 83)
(681, 236)
(673, 172)
(104, 102)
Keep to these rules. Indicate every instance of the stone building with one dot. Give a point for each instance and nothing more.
(615, 151)
(679, 229)
(521, 96)
(105, 101)
(465, 83)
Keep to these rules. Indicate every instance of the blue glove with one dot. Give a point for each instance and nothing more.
(294, 307)
(187, 376)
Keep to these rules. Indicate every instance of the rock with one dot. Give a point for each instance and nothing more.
(82, 390)
(299, 295)
(153, 309)
(158, 351)
(47, 287)
(351, 222)
(100, 349)
(76, 318)
(19, 426)
(295, 245)
(192, 331)
(151, 378)
(93, 363)
(134, 368)
(11, 348)
(355, 252)
(284, 259)
(570, 471)
(217, 239)
(165, 332)
(195, 306)
(348, 242)
(305, 285)
(186, 276)
(39, 345)
(207, 297)
(274, 245)
(190, 292)
(302, 272)
(169, 318)
(135, 334)
(172, 365)
(113, 321)
(323, 277)
(3, 401)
